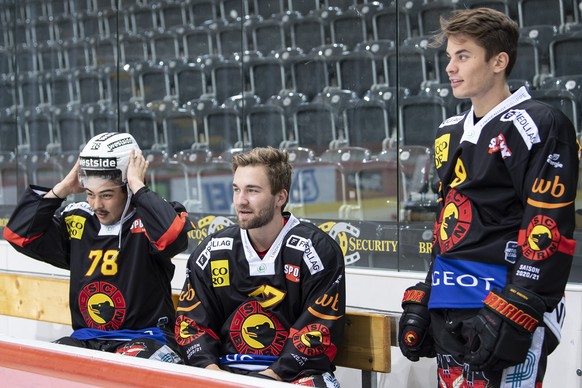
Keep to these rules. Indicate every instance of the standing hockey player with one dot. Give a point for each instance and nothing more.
(503, 242)
(265, 297)
(117, 246)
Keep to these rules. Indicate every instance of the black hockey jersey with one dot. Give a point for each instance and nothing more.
(506, 203)
(110, 288)
(289, 304)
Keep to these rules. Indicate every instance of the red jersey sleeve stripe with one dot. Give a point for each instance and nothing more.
(14, 238)
(172, 233)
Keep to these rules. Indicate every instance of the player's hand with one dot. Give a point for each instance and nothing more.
(70, 183)
(136, 170)
(502, 330)
(414, 336)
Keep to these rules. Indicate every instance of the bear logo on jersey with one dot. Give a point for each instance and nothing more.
(254, 330)
(102, 306)
(455, 220)
(311, 340)
(543, 238)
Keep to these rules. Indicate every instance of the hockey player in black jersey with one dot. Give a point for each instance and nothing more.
(265, 297)
(503, 241)
(117, 246)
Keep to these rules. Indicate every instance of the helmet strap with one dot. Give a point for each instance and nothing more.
(125, 209)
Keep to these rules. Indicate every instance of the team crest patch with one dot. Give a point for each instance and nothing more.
(312, 340)
(186, 330)
(254, 330)
(543, 238)
(102, 306)
(455, 220)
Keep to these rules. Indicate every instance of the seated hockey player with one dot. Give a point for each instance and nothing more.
(265, 297)
(117, 246)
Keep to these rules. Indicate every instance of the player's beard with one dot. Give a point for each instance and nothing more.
(265, 216)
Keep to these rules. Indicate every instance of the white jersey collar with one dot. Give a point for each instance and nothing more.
(472, 131)
(266, 265)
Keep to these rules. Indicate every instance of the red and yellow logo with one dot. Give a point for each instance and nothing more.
(257, 331)
(102, 306)
(455, 220)
(312, 340)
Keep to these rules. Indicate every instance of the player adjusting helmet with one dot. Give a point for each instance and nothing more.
(107, 156)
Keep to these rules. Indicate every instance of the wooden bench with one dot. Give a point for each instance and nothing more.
(366, 345)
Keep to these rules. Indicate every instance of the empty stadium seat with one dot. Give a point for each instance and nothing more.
(564, 51)
(189, 80)
(309, 72)
(226, 77)
(420, 116)
(179, 130)
(172, 14)
(315, 126)
(266, 75)
(221, 127)
(89, 85)
(7, 92)
(306, 32)
(153, 81)
(266, 125)
(60, 88)
(99, 118)
(561, 99)
(201, 11)
(267, 8)
(164, 45)
(367, 124)
(140, 122)
(538, 12)
(266, 36)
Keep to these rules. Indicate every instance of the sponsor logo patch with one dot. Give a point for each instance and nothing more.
(75, 226)
(441, 149)
(220, 273)
(137, 226)
(292, 273)
(525, 125)
(224, 243)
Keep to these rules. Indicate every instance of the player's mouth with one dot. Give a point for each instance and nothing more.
(455, 82)
(101, 213)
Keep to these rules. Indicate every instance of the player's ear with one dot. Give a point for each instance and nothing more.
(501, 61)
(281, 197)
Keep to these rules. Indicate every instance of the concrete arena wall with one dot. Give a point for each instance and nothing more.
(367, 289)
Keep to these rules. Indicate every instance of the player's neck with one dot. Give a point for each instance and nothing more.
(485, 103)
(262, 238)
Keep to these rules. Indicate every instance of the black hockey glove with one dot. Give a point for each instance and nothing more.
(414, 338)
(503, 329)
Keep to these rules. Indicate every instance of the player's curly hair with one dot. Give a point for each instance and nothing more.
(279, 170)
(491, 29)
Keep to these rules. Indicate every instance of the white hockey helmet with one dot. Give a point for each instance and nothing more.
(107, 155)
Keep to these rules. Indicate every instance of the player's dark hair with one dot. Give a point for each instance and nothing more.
(491, 29)
(279, 169)
(112, 175)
